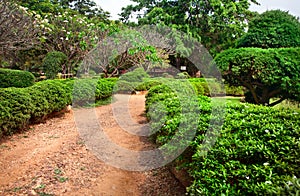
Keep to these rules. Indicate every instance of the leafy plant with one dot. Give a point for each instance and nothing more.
(272, 29)
(265, 73)
(256, 152)
(53, 63)
(15, 78)
(23, 106)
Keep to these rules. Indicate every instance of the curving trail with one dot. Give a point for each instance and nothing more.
(52, 159)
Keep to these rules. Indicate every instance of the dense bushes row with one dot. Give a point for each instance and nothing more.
(22, 106)
(15, 78)
(210, 87)
(256, 152)
(139, 80)
(136, 80)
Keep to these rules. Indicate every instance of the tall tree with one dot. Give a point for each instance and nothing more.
(217, 22)
(18, 29)
(272, 29)
(40, 6)
(85, 7)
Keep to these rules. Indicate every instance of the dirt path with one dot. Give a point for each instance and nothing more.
(52, 159)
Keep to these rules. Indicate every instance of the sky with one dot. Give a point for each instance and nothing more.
(293, 6)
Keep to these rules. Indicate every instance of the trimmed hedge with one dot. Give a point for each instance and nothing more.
(23, 106)
(210, 87)
(256, 153)
(89, 91)
(15, 78)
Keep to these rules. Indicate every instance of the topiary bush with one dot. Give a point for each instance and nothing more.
(15, 78)
(257, 153)
(265, 73)
(55, 93)
(148, 83)
(52, 63)
(90, 91)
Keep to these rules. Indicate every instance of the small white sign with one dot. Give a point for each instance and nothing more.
(183, 68)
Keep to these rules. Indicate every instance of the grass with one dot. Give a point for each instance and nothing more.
(227, 99)
(285, 104)
(288, 104)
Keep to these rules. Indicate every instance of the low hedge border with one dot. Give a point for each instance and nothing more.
(23, 106)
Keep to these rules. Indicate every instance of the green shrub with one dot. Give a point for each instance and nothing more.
(22, 106)
(256, 153)
(207, 87)
(55, 93)
(124, 86)
(198, 87)
(211, 87)
(183, 75)
(266, 73)
(147, 84)
(104, 88)
(234, 90)
(137, 75)
(16, 107)
(52, 63)
(89, 91)
(15, 78)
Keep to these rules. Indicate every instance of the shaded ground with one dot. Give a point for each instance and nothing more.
(51, 159)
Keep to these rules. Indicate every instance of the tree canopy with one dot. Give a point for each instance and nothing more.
(272, 29)
(216, 23)
(18, 30)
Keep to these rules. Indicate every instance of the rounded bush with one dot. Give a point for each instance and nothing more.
(15, 78)
(266, 73)
(137, 75)
(52, 63)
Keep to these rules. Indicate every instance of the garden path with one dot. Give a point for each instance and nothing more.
(52, 159)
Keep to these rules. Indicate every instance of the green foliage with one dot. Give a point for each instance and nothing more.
(256, 153)
(55, 93)
(217, 23)
(52, 63)
(90, 91)
(22, 106)
(183, 75)
(40, 6)
(172, 109)
(133, 80)
(272, 29)
(234, 90)
(137, 75)
(16, 108)
(15, 78)
(148, 83)
(266, 73)
(85, 7)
